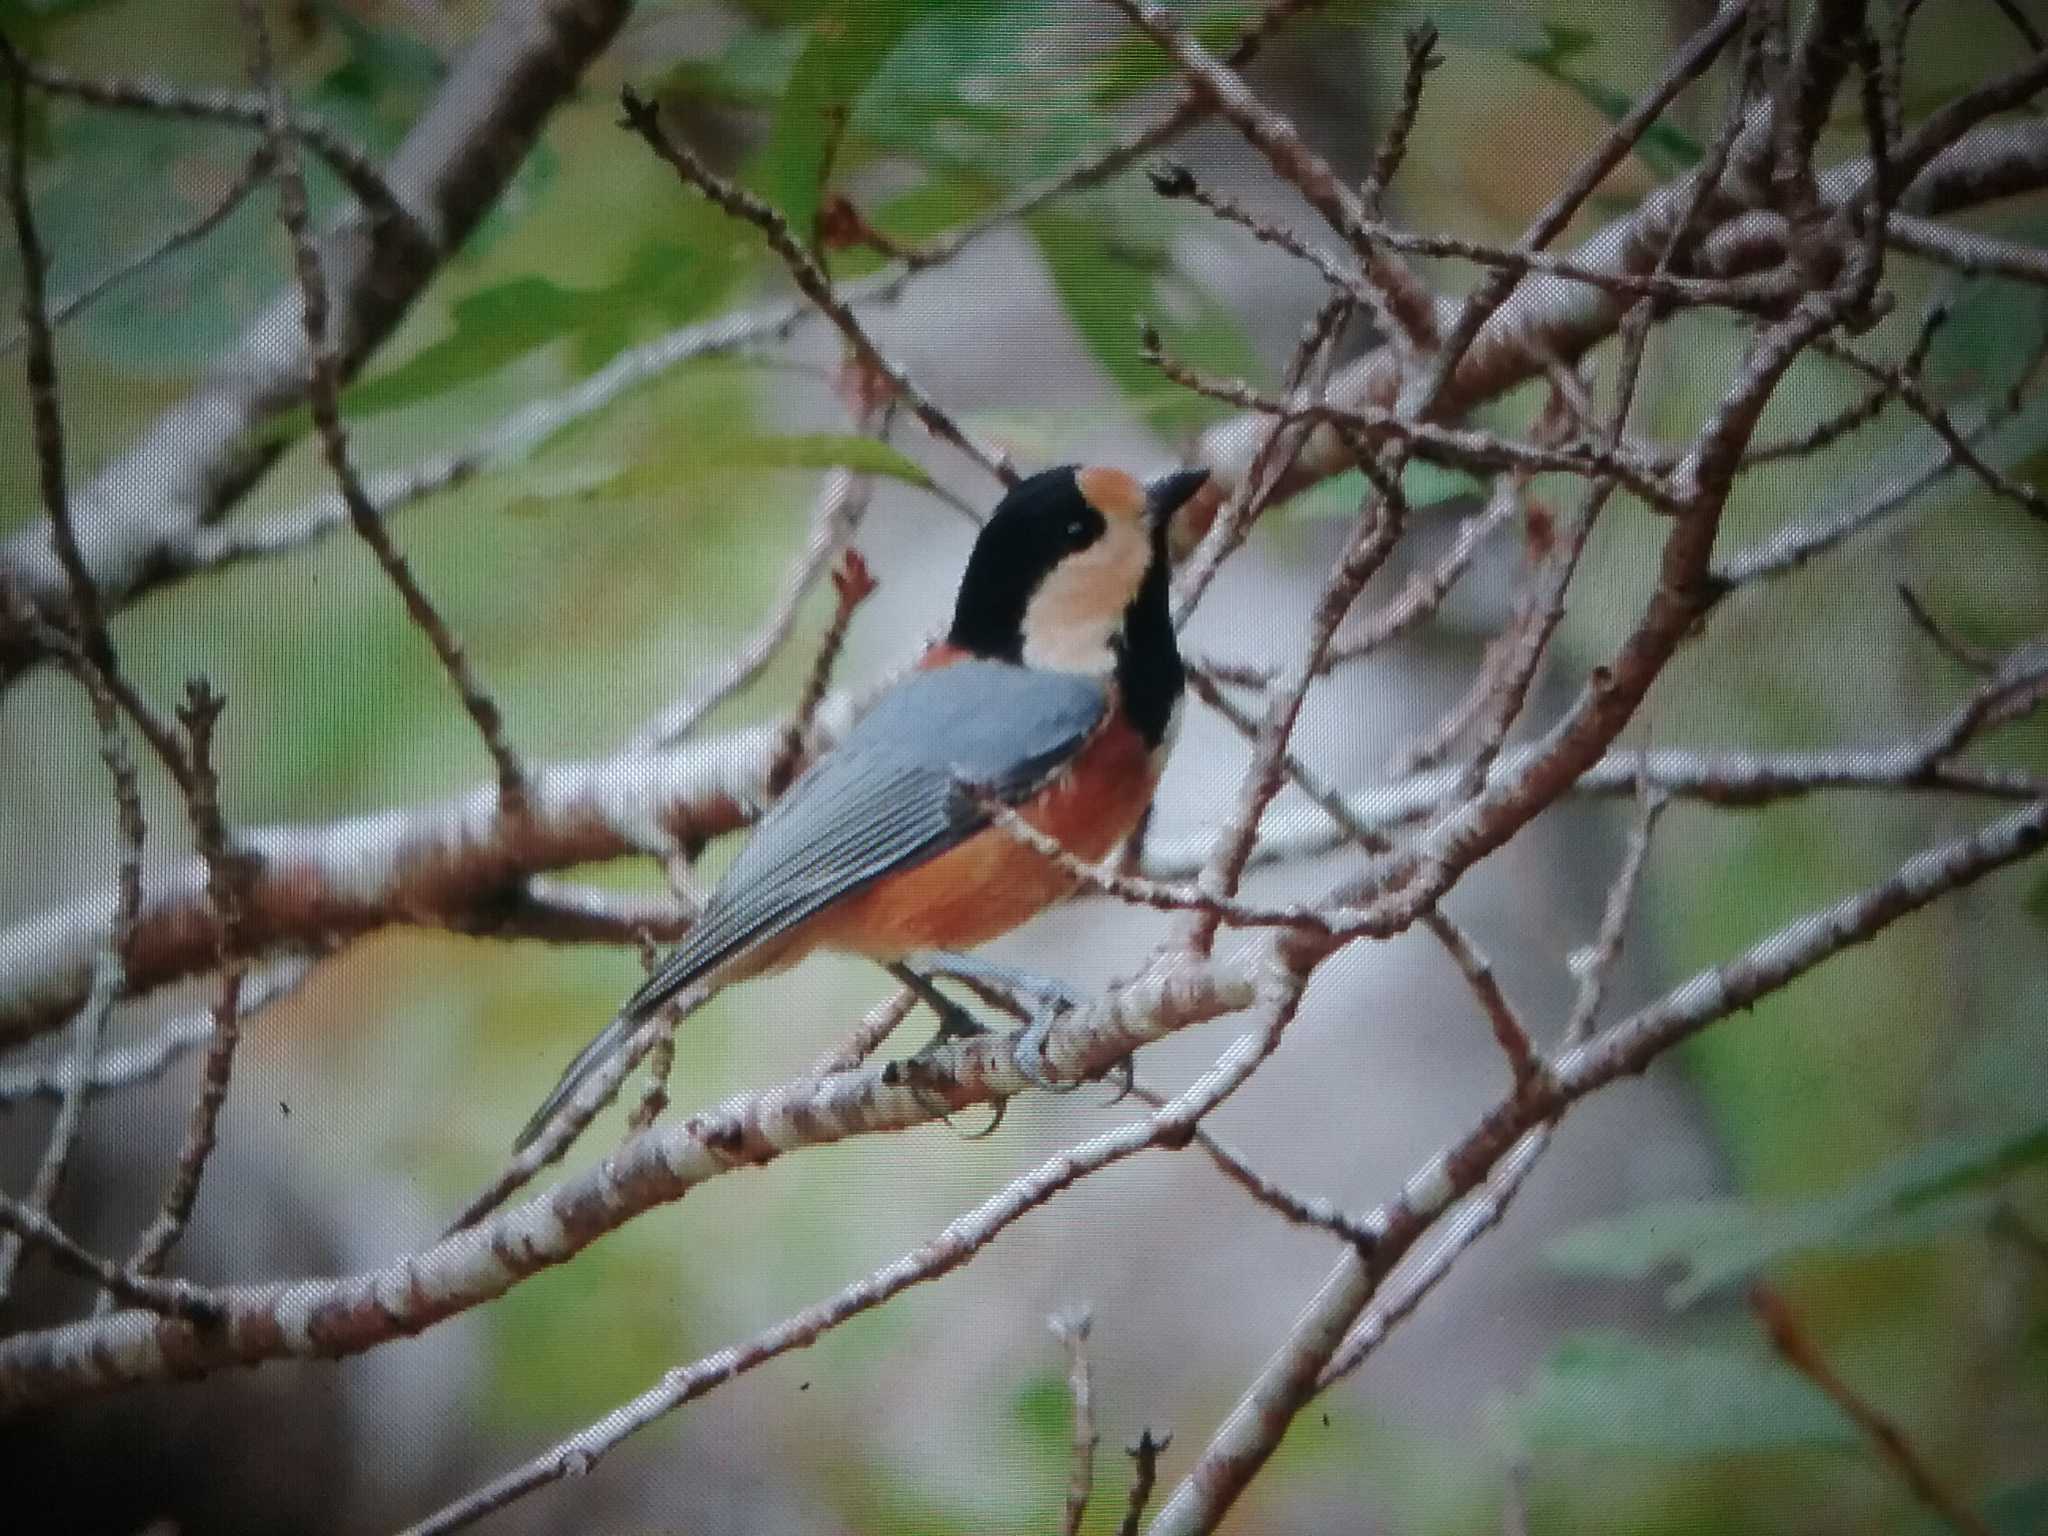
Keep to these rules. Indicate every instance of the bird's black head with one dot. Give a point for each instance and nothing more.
(1071, 574)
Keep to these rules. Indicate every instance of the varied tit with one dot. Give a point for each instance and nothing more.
(1056, 691)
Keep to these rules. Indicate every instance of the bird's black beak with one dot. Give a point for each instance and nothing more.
(1166, 495)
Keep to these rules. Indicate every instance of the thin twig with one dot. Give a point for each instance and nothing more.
(1071, 1328)
(1975, 658)
(1910, 392)
(147, 1060)
(1767, 292)
(88, 653)
(24, 1223)
(1372, 539)
(1308, 372)
(852, 585)
(1420, 41)
(1404, 309)
(1144, 1456)
(1312, 1211)
(1594, 966)
(324, 399)
(46, 423)
(946, 1251)
(1798, 1348)
(355, 169)
(205, 223)
(2010, 10)
(837, 513)
(227, 887)
(644, 118)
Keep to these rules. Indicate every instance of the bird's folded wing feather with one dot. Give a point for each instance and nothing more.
(893, 793)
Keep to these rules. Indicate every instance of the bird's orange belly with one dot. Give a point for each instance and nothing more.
(991, 883)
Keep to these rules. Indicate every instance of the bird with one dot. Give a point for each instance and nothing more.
(1056, 691)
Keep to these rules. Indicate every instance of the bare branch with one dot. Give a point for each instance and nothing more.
(842, 503)
(1594, 965)
(88, 654)
(1903, 383)
(324, 395)
(149, 1059)
(1303, 1210)
(198, 458)
(355, 169)
(331, 1318)
(180, 1299)
(1290, 1379)
(852, 584)
(943, 1253)
(227, 881)
(1408, 1286)
(1966, 251)
(1420, 41)
(1404, 309)
(1976, 658)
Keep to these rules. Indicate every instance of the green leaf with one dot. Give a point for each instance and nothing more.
(120, 182)
(1608, 1391)
(752, 70)
(662, 284)
(2021, 1510)
(1134, 62)
(1041, 1411)
(2036, 901)
(1425, 485)
(1912, 1199)
(840, 58)
(1666, 149)
(1109, 280)
(1502, 29)
(380, 61)
(729, 450)
(1991, 329)
(25, 20)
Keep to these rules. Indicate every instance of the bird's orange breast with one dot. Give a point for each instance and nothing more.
(990, 883)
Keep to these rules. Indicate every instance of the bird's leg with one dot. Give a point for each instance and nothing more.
(955, 1023)
(1049, 998)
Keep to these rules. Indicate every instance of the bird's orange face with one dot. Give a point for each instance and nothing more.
(1079, 604)
(1070, 575)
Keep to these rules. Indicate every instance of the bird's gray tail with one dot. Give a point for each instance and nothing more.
(638, 1014)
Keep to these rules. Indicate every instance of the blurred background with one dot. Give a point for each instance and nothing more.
(1592, 1367)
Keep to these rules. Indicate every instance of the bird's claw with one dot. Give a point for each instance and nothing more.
(955, 1023)
(1028, 1052)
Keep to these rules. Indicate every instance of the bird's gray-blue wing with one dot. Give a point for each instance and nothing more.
(888, 796)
